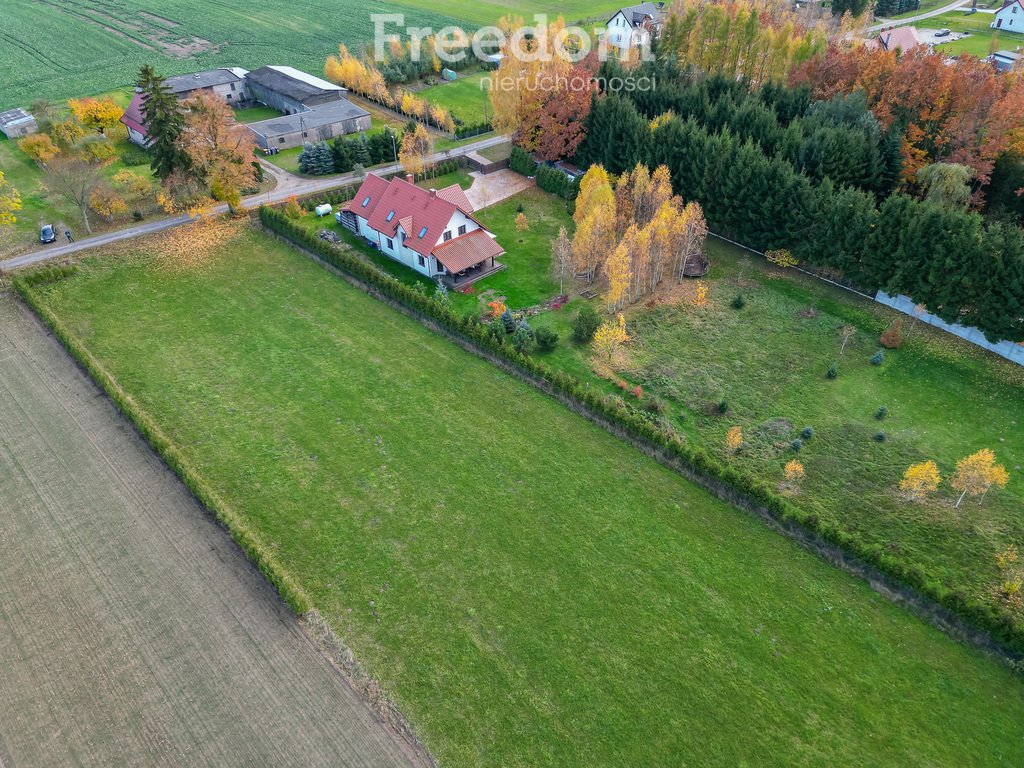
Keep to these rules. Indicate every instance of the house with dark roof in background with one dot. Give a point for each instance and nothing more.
(226, 82)
(635, 26)
(15, 123)
(432, 231)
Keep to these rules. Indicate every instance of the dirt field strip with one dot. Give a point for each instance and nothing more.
(132, 629)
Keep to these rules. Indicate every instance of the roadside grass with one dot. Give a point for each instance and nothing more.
(926, 6)
(945, 399)
(529, 589)
(497, 152)
(490, 11)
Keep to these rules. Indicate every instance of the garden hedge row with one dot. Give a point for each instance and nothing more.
(250, 542)
(548, 178)
(1004, 632)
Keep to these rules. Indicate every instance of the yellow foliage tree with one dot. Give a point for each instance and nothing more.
(363, 78)
(793, 471)
(98, 114)
(780, 257)
(700, 296)
(920, 480)
(617, 269)
(976, 473)
(39, 147)
(67, 133)
(107, 203)
(595, 222)
(609, 339)
(133, 186)
(522, 223)
(415, 151)
(733, 439)
(10, 202)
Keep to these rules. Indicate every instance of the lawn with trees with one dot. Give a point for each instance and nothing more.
(536, 592)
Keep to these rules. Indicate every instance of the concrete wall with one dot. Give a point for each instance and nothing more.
(276, 100)
(905, 304)
(315, 135)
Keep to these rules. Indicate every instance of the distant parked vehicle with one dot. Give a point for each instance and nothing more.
(943, 32)
(48, 234)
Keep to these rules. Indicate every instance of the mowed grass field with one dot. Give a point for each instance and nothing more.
(767, 361)
(466, 98)
(132, 629)
(529, 589)
(79, 47)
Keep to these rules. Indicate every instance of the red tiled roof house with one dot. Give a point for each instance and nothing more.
(432, 231)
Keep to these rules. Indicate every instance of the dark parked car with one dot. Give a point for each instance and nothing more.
(943, 33)
(47, 234)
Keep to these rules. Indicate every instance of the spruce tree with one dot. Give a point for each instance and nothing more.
(164, 123)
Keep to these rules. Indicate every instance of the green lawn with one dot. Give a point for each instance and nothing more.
(979, 41)
(255, 114)
(529, 589)
(945, 399)
(497, 152)
(466, 98)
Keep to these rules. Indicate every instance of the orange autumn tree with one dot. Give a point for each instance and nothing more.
(39, 147)
(958, 111)
(220, 150)
(733, 439)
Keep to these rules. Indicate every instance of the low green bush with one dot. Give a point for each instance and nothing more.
(585, 324)
(547, 339)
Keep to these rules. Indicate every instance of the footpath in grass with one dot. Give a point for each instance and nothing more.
(529, 589)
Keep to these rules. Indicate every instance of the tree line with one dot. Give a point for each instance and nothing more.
(959, 266)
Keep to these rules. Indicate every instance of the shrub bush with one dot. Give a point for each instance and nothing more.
(655, 405)
(879, 437)
(881, 413)
(523, 339)
(832, 372)
(519, 160)
(134, 155)
(739, 302)
(546, 339)
(807, 433)
(507, 321)
(797, 444)
(878, 358)
(585, 324)
(723, 406)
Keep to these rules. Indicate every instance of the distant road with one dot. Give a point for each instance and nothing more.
(287, 185)
(919, 17)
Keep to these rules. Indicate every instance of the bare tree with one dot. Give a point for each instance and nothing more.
(561, 263)
(846, 333)
(75, 179)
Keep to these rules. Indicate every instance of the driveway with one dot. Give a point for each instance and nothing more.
(494, 187)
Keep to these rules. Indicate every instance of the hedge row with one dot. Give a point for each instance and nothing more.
(340, 195)
(466, 131)
(721, 478)
(250, 542)
(549, 179)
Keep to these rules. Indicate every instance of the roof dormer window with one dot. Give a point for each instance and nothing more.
(391, 215)
(366, 201)
(423, 233)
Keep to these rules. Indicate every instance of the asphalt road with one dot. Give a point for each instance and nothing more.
(287, 185)
(918, 17)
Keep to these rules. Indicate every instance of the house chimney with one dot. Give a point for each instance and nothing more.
(433, 192)
(410, 178)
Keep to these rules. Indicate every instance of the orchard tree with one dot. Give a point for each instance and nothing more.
(10, 202)
(920, 480)
(75, 179)
(39, 147)
(67, 133)
(976, 473)
(96, 114)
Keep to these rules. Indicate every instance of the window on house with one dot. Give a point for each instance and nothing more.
(421, 261)
(281, 140)
(447, 235)
(440, 268)
(462, 229)
(366, 201)
(229, 97)
(391, 245)
(423, 233)
(391, 215)
(232, 88)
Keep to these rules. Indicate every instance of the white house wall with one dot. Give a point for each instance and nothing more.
(1010, 19)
